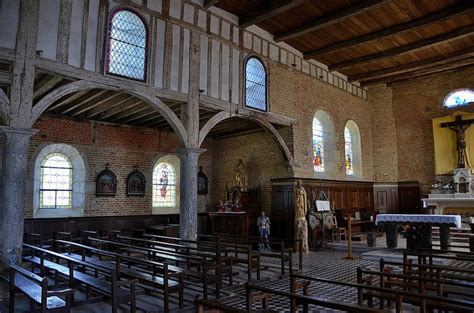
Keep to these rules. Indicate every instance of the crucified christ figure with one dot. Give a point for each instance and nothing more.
(459, 126)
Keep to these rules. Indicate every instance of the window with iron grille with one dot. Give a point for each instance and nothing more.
(164, 186)
(255, 84)
(56, 182)
(127, 41)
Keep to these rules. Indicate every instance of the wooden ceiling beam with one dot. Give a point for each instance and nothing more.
(412, 47)
(104, 102)
(331, 19)
(423, 72)
(6, 78)
(447, 71)
(449, 13)
(103, 112)
(148, 111)
(268, 10)
(209, 3)
(83, 94)
(45, 85)
(101, 94)
(414, 66)
(129, 112)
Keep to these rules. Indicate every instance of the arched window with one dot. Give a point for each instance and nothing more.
(255, 84)
(59, 182)
(126, 45)
(322, 145)
(164, 185)
(348, 152)
(353, 149)
(56, 182)
(318, 146)
(459, 97)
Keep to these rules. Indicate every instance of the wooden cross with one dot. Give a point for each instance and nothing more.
(459, 126)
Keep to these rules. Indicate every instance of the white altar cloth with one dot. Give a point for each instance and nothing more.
(419, 218)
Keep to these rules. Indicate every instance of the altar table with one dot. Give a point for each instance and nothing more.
(422, 221)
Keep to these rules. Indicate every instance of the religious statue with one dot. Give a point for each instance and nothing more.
(301, 208)
(263, 224)
(459, 126)
(240, 174)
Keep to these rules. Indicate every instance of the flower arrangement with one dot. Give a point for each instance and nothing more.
(440, 187)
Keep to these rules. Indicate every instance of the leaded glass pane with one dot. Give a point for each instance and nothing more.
(318, 146)
(255, 85)
(56, 182)
(348, 150)
(127, 46)
(459, 98)
(164, 186)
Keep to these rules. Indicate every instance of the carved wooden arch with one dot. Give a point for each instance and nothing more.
(219, 117)
(4, 107)
(80, 85)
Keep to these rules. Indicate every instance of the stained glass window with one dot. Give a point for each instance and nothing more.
(458, 98)
(318, 146)
(348, 151)
(127, 45)
(56, 182)
(255, 84)
(164, 185)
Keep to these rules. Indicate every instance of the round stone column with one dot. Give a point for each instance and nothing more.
(189, 159)
(16, 142)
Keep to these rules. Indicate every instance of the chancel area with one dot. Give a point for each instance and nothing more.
(236, 156)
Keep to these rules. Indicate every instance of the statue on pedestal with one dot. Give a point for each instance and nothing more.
(459, 126)
(301, 208)
(240, 175)
(263, 224)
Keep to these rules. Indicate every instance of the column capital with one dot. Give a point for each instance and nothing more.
(18, 130)
(184, 150)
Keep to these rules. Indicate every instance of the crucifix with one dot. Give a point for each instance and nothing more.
(459, 126)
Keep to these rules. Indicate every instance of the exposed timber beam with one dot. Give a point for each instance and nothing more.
(115, 108)
(449, 13)
(268, 10)
(331, 19)
(105, 102)
(414, 66)
(100, 94)
(412, 47)
(428, 71)
(209, 3)
(6, 78)
(45, 85)
(80, 94)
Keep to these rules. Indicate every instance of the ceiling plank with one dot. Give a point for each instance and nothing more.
(99, 94)
(209, 3)
(148, 111)
(83, 94)
(449, 13)
(45, 85)
(268, 10)
(104, 102)
(423, 72)
(103, 111)
(331, 19)
(453, 70)
(412, 47)
(6, 78)
(413, 66)
(126, 113)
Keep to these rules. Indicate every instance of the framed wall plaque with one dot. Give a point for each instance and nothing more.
(136, 183)
(106, 183)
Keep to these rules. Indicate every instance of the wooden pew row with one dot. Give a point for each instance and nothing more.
(409, 289)
(284, 254)
(194, 250)
(111, 290)
(305, 301)
(251, 259)
(441, 273)
(205, 264)
(36, 289)
(156, 275)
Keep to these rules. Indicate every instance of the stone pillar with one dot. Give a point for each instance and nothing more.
(188, 192)
(16, 142)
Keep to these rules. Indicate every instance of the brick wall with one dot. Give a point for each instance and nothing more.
(263, 159)
(299, 96)
(123, 147)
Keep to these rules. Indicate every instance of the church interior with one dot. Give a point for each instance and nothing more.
(236, 156)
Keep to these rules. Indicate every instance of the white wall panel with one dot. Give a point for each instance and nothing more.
(9, 17)
(176, 38)
(235, 75)
(204, 50)
(48, 24)
(185, 74)
(75, 37)
(91, 39)
(159, 52)
(225, 73)
(215, 68)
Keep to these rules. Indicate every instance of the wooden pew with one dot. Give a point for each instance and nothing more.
(110, 289)
(159, 277)
(416, 294)
(305, 300)
(205, 264)
(200, 305)
(252, 259)
(36, 289)
(190, 249)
